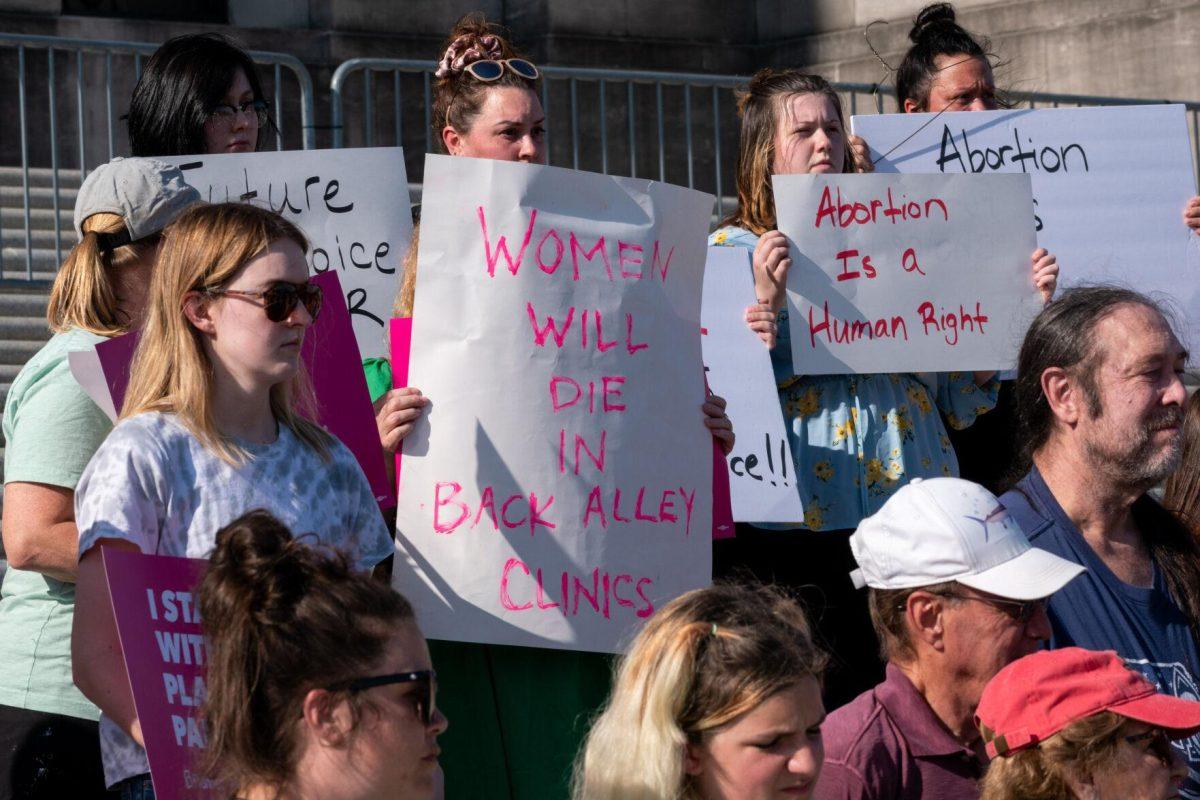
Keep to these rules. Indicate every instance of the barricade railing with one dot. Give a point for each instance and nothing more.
(75, 91)
(678, 127)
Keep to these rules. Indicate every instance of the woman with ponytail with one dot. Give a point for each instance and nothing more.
(319, 683)
(718, 698)
(49, 744)
(216, 421)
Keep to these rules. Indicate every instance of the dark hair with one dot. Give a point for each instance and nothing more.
(1181, 493)
(759, 107)
(179, 87)
(281, 618)
(458, 96)
(934, 33)
(1063, 335)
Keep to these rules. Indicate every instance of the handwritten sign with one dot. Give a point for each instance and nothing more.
(352, 204)
(158, 622)
(907, 273)
(558, 490)
(343, 402)
(1109, 184)
(762, 479)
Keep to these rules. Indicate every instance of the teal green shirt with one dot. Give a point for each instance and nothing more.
(52, 429)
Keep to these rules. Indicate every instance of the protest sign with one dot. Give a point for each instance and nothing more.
(352, 204)
(907, 273)
(762, 480)
(158, 622)
(1109, 184)
(343, 402)
(558, 489)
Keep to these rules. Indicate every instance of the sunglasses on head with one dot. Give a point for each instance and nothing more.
(489, 70)
(424, 698)
(280, 299)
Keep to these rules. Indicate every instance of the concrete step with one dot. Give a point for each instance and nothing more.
(14, 217)
(40, 236)
(39, 197)
(39, 176)
(14, 303)
(18, 352)
(44, 260)
(23, 329)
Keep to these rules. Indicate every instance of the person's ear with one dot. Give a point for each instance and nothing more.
(453, 140)
(197, 307)
(924, 614)
(327, 717)
(693, 759)
(1063, 394)
(911, 106)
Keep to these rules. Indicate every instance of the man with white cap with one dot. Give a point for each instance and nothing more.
(956, 592)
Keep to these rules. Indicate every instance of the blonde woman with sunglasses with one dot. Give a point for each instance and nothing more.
(211, 427)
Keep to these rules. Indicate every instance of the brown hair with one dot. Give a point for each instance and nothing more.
(280, 618)
(1181, 493)
(1085, 747)
(84, 294)
(889, 610)
(934, 33)
(704, 659)
(759, 107)
(458, 96)
(205, 248)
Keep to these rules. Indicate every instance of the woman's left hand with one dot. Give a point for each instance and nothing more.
(1191, 215)
(860, 153)
(1045, 273)
(718, 423)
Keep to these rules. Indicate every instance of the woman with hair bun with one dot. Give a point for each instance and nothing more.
(718, 698)
(213, 424)
(319, 683)
(198, 93)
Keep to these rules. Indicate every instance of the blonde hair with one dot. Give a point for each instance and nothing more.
(703, 660)
(402, 306)
(1083, 748)
(205, 248)
(84, 294)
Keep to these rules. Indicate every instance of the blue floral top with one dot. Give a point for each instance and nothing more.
(856, 439)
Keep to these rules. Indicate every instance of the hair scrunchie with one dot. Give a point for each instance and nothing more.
(466, 49)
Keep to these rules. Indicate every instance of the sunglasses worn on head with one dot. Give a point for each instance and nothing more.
(424, 696)
(489, 70)
(280, 299)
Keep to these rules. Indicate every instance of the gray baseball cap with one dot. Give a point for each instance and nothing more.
(145, 192)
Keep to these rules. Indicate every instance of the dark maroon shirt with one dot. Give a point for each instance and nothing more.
(887, 744)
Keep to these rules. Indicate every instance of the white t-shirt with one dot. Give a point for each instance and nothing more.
(154, 484)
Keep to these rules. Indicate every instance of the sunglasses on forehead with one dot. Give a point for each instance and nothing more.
(424, 696)
(280, 299)
(489, 70)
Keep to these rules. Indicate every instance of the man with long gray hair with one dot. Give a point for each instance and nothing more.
(1100, 399)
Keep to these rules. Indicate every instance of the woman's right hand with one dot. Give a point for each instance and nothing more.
(395, 415)
(771, 265)
(762, 320)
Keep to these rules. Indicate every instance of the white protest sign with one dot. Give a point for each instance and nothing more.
(352, 204)
(558, 490)
(907, 273)
(1109, 184)
(762, 475)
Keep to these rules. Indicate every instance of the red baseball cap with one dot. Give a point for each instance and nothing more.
(1037, 696)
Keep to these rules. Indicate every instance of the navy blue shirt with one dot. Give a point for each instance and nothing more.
(1099, 611)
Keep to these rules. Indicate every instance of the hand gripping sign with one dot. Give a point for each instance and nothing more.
(558, 489)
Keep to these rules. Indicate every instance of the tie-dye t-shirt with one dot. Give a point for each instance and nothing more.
(154, 484)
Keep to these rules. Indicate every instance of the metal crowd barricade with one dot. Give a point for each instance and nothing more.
(77, 77)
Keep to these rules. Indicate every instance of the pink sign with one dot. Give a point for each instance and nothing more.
(158, 622)
(331, 356)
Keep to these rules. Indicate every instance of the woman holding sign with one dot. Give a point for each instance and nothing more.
(49, 744)
(211, 428)
(855, 438)
(319, 682)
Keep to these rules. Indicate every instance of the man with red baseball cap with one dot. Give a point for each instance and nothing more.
(955, 592)
(1113, 729)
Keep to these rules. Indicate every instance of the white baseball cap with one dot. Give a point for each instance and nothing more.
(947, 529)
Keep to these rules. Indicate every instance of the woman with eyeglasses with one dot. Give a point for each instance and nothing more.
(1074, 724)
(212, 426)
(319, 683)
(198, 93)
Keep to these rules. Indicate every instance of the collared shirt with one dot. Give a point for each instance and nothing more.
(887, 744)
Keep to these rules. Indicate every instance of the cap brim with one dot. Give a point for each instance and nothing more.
(1178, 716)
(1030, 576)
